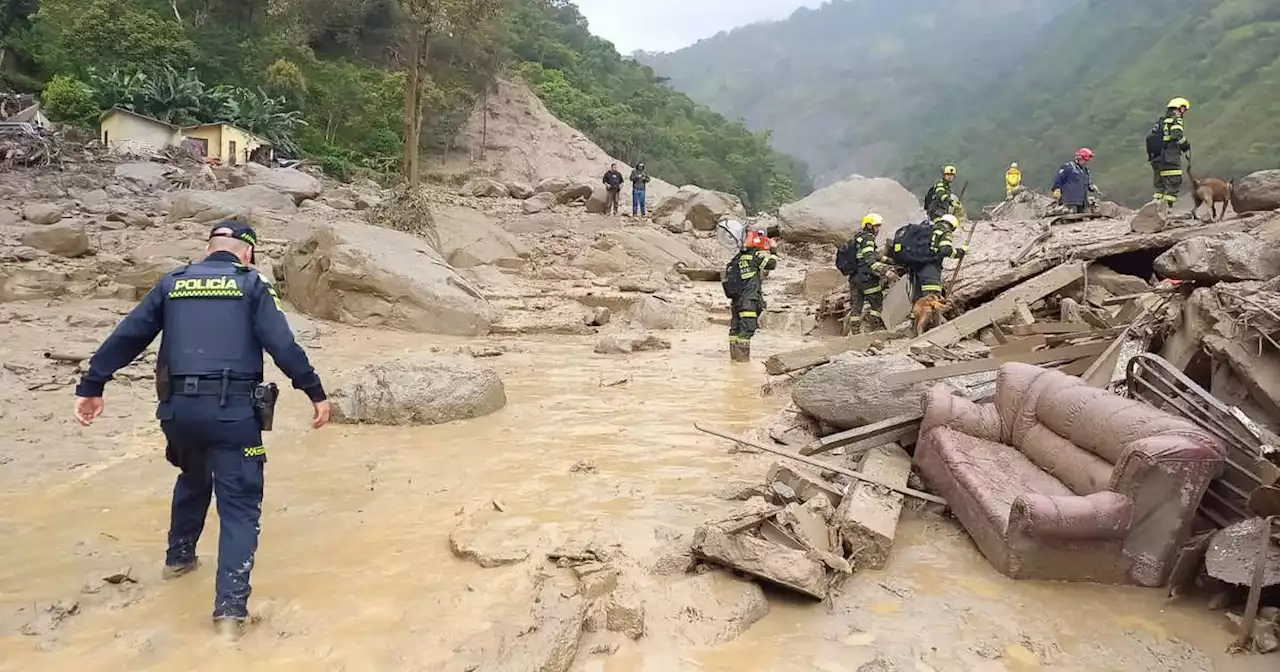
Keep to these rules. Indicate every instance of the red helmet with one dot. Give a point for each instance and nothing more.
(1084, 154)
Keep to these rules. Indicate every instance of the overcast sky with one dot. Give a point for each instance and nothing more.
(667, 25)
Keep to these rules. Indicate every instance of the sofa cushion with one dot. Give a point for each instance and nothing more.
(1078, 469)
(995, 473)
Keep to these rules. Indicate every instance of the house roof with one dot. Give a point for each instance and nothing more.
(251, 134)
(121, 110)
(28, 114)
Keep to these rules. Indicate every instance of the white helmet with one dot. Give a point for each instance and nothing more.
(731, 234)
(1014, 164)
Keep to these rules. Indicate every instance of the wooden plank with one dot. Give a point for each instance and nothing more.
(1077, 367)
(1099, 373)
(1001, 337)
(884, 430)
(822, 465)
(1022, 254)
(804, 358)
(1051, 328)
(1071, 352)
(1018, 345)
(1094, 319)
(1030, 291)
(1128, 312)
(1117, 300)
(1061, 339)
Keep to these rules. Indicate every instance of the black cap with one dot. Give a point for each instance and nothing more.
(238, 230)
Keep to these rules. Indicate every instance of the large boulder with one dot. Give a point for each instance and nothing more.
(469, 238)
(577, 191)
(598, 200)
(850, 391)
(1256, 192)
(485, 187)
(65, 239)
(419, 391)
(652, 312)
(702, 207)
(43, 213)
(367, 275)
(296, 184)
(1230, 258)
(1115, 282)
(538, 202)
(636, 251)
(241, 202)
(553, 185)
(144, 175)
(520, 190)
(833, 214)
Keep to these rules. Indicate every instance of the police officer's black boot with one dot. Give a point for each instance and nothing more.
(229, 628)
(178, 571)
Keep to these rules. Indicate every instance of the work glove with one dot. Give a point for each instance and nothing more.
(959, 252)
(891, 276)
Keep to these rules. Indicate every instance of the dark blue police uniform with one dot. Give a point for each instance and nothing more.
(217, 317)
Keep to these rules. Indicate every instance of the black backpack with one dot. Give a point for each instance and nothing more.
(911, 244)
(732, 282)
(1155, 140)
(847, 258)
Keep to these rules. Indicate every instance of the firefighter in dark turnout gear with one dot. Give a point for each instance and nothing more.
(940, 200)
(869, 272)
(750, 265)
(924, 258)
(217, 317)
(1166, 144)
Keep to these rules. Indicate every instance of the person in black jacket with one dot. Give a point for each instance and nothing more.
(940, 199)
(639, 181)
(869, 272)
(1166, 156)
(217, 317)
(613, 189)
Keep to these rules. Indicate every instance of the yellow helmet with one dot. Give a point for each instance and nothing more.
(872, 220)
(1179, 103)
(948, 170)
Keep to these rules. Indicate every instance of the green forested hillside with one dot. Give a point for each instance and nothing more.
(326, 78)
(1030, 85)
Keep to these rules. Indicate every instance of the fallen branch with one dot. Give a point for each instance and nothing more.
(823, 465)
(69, 357)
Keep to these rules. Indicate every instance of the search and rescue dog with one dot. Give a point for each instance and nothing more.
(1213, 191)
(928, 312)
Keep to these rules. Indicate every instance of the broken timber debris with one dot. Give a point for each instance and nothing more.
(1029, 291)
(823, 465)
(803, 485)
(1069, 353)
(868, 515)
(795, 360)
(902, 428)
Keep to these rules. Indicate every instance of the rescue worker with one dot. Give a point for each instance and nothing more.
(217, 316)
(613, 189)
(1166, 144)
(926, 265)
(750, 265)
(940, 200)
(639, 180)
(1073, 184)
(869, 272)
(1012, 180)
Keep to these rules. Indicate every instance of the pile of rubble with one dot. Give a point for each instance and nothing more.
(1186, 319)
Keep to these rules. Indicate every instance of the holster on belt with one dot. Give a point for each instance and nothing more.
(264, 404)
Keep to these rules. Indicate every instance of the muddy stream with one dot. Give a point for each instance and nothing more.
(355, 572)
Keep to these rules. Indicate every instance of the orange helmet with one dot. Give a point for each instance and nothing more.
(758, 241)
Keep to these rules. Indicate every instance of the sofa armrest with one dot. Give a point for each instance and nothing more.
(1195, 456)
(942, 408)
(1102, 515)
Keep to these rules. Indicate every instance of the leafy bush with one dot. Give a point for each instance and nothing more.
(67, 99)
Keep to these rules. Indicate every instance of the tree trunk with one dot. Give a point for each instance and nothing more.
(411, 95)
(420, 73)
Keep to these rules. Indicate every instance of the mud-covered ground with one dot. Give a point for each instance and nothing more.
(355, 570)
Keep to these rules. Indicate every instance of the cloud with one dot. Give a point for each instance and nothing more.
(667, 25)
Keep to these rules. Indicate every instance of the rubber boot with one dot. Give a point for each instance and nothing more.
(739, 352)
(229, 629)
(1162, 211)
(872, 324)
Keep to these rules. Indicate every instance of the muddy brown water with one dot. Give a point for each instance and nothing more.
(355, 572)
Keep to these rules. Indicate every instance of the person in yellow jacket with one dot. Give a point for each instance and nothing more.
(1012, 180)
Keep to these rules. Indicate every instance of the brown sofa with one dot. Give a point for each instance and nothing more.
(1058, 480)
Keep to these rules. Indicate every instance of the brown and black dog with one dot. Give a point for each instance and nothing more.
(1213, 191)
(928, 312)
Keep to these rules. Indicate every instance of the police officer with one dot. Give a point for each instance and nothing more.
(217, 317)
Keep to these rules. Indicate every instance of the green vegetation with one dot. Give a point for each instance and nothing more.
(329, 78)
(912, 85)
